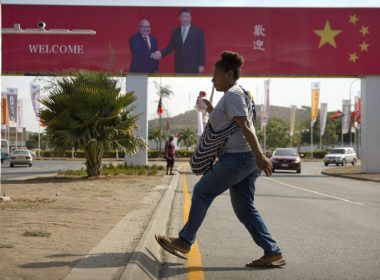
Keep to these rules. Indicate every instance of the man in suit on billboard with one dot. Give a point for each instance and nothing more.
(142, 46)
(187, 41)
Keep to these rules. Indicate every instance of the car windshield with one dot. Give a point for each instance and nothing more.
(286, 152)
(20, 152)
(337, 151)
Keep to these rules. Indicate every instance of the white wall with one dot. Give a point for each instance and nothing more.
(139, 85)
(370, 124)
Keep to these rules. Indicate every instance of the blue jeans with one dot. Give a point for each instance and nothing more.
(238, 173)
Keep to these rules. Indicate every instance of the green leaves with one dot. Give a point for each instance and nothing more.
(89, 112)
(187, 136)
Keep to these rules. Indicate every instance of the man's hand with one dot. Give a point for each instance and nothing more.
(156, 55)
(264, 164)
(201, 69)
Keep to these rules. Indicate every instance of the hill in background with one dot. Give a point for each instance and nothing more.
(189, 118)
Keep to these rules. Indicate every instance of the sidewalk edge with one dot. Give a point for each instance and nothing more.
(145, 262)
(350, 177)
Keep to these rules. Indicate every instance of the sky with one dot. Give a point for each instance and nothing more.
(283, 91)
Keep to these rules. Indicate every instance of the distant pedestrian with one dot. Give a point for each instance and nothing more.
(240, 163)
(169, 155)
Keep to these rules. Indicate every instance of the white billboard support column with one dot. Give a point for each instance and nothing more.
(2, 198)
(139, 85)
(370, 124)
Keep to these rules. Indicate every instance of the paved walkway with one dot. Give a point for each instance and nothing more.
(352, 172)
(144, 263)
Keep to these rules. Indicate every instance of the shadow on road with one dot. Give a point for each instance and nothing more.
(91, 261)
(173, 269)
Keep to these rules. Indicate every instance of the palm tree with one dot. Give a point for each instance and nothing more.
(32, 142)
(187, 136)
(163, 92)
(156, 135)
(88, 111)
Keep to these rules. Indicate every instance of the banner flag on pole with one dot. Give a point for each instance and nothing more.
(160, 110)
(4, 110)
(35, 95)
(315, 91)
(336, 115)
(323, 117)
(265, 110)
(12, 106)
(20, 117)
(292, 119)
(346, 107)
(356, 114)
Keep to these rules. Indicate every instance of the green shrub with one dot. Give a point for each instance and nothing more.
(155, 154)
(184, 153)
(318, 154)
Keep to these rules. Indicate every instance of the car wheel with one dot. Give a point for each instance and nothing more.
(273, 170)
(326, 164)
(2, 161)
(11, 165)
(298, 171)
(30, 165)
(337, 164)
(353, 162)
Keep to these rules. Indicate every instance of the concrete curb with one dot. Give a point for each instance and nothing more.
(145, 261)
(350, 177)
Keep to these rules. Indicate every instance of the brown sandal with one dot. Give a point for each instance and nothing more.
(166, 243)
(268, 261)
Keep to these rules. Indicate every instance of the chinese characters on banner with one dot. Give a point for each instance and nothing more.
(273, 41)
(259, 34)
(315, 91)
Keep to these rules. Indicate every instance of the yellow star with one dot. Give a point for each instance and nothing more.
(364, 46)
(364, 30)
(353, 19)
(353, 57)
(327, 35)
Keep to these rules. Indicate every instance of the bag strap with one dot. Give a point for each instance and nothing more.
(250, 104)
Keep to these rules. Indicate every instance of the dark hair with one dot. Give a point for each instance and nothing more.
(184, 10)
(230, 61)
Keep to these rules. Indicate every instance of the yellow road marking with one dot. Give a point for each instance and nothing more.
(194, 260)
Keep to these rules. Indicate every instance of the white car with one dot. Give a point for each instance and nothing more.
(20, 157)
(341, 156)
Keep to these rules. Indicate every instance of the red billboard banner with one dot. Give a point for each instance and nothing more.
(273, 41)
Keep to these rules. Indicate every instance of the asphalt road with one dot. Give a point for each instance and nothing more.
(327, 227)
(39, 168)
